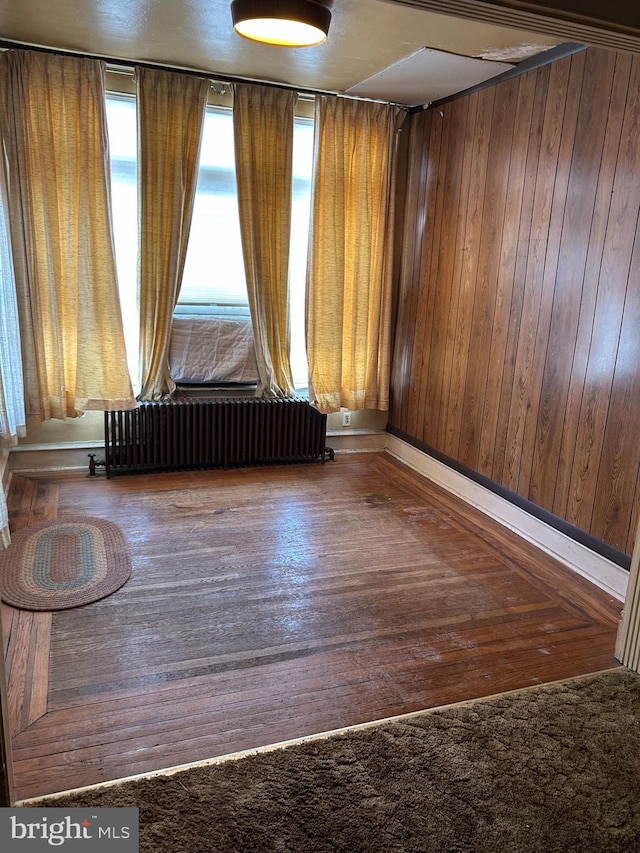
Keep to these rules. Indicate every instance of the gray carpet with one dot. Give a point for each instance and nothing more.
(556, 768)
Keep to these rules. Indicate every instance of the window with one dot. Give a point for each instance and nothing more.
(214, 281)
(300, 215)
(12, 414)
(123, 147)
(214, 270)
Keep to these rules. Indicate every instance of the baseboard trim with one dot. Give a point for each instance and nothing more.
(357, 440)
(33, 458)
(30, 458)
(605, 574)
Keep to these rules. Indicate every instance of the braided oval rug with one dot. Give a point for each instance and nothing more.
(55, 565)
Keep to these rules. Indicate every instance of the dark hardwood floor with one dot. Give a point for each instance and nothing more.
(272, 603)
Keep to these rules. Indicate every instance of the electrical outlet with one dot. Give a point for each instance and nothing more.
(346, 419)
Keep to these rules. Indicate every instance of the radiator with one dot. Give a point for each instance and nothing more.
(213, 433)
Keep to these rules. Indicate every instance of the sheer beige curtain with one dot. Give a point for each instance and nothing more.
(263, 132)
(54, 130)
(171, 109)
(350, 252)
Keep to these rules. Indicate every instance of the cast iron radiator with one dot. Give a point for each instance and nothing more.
(213, 433)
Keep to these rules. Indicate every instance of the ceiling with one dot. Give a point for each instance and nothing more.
(376, 48)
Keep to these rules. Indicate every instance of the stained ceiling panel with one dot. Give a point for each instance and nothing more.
(427, 75)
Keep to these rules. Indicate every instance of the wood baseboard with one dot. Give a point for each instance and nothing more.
(599, 570)
(32, 458)
(48, 457)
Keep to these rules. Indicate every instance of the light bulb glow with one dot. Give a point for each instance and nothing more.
(281, 32)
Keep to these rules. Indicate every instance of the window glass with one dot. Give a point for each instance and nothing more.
(214, 269)
(123, 145)
(300, 213)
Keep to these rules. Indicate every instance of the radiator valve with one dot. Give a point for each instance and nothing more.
(94, 463)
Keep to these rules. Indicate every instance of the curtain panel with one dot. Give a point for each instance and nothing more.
(54, 130)
(349, 300)
(171, 110)
(263, 132)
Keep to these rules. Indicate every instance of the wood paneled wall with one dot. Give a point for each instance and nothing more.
(518, 325)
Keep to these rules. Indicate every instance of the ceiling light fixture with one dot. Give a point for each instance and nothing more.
(287, 23)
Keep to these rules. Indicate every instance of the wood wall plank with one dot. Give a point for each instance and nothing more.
(616, 476)
(576, 452)
(549, 190)
(430, 258)
(620, 461)
(525, 367)
(430, 348)
(455, 187)
(563, 275)
(496, 164)
(422, 249)
(412, 235)
(456, 359)
(513, 408)
(508, 305)
(465, 388)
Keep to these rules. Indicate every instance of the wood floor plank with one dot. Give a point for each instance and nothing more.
(269, 604)
(8, 615)
(18, 670)
(37, 681)
(19, 500)
(27, 639)
(27, 634)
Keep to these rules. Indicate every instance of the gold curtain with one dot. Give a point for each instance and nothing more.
(350, 254)
(171, 109)
(54, 129)
(263, 132)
